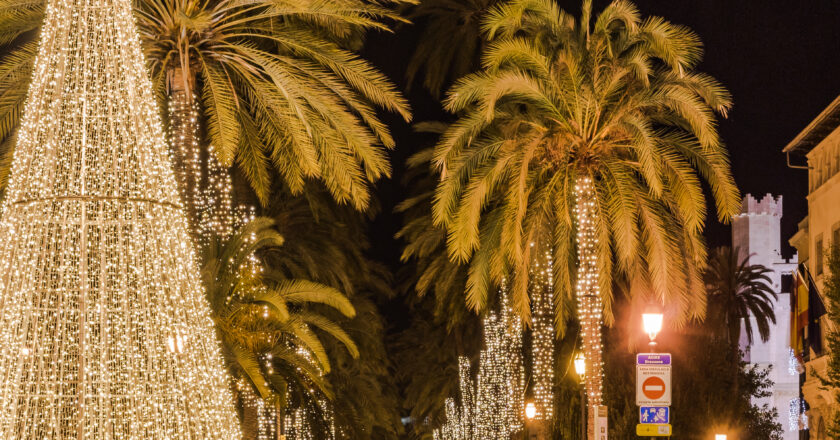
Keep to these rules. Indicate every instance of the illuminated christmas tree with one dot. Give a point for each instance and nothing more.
(105, 332)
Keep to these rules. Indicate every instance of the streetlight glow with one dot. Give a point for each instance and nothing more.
(580, 365)
(652, 323)
(530, 410)
(720, 436)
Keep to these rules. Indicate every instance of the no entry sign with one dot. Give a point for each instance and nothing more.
(653, 380)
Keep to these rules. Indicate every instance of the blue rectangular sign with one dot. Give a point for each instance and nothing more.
(653, 359)
(654, 415)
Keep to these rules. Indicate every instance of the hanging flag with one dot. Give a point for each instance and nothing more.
(798, 315)
(816, 311)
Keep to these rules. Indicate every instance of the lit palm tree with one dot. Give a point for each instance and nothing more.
(270, 325)
(586, 138)
(326, 243)
(277, 87)
(737, 292)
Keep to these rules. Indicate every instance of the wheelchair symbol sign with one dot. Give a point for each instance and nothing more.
(654, 415)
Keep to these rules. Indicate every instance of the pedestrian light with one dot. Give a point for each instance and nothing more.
(580, 365)
(652, 323)
(530, 410)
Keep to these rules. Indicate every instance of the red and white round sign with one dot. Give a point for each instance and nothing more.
(653, 387)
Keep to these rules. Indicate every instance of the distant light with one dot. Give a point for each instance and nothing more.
(580, 365)
(720, 436)
(531, 411)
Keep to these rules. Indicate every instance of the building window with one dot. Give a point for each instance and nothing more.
(818, 256)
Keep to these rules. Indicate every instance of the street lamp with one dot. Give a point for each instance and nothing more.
(652, 323)
(580, 369)
(530, 410)
(720, 436)
(580, 366)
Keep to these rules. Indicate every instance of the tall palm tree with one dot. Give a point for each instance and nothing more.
(326, 243)
(277, 89)
(271, 326)
(451, 42)
(737, 292)
(587, 138)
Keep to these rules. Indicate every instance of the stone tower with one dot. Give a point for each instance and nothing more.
(757, 235)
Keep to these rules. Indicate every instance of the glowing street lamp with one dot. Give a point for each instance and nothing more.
(580, 366)
(720, 436)
(530, 410)
(652, 323)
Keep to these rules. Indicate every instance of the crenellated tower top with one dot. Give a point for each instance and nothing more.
(767, 205)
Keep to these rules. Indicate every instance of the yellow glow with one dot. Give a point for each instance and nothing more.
(580, 365)
(106, 332)
(530, 410)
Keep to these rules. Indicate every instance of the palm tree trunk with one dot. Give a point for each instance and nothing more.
(204, 184)
(184, 147)
(589, 295)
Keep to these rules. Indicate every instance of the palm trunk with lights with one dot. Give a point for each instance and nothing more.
(184, 147)
(204, 184)
(589, 295)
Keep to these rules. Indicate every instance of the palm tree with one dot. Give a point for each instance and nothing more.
(325, 242)
(274, 84)
(270, 325)
(451, 42)
(587, 139)
(737, 292)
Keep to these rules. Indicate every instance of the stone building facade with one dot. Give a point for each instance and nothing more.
(819, 143)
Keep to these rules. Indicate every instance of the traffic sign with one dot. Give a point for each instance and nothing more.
(654, 415)
(653, 379)
(653, 359)
(653, 430)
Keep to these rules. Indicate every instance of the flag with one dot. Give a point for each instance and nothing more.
(798, 314)
(806, 309)
(816, 310)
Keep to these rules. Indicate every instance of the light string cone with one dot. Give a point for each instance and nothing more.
(590, 308)
(105, 331)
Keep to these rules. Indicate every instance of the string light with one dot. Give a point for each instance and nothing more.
(588, 291)
(492, 405)
(542, 341)
(205, 186)
(105, 332)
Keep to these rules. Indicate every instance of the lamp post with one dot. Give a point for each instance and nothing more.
(652, 323)
(580, 369)
(530, 414)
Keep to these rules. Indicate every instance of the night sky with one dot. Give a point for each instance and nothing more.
(780, 60)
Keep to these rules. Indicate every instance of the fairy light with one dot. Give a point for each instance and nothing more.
(542, 341)
(492, 405)
(514, 369)
(184, 132)
(588, 291)
(205, 185)
(105, 332)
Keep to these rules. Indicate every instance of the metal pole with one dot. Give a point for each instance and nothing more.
(583, 412)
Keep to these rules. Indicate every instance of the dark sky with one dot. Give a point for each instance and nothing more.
(780, 60)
